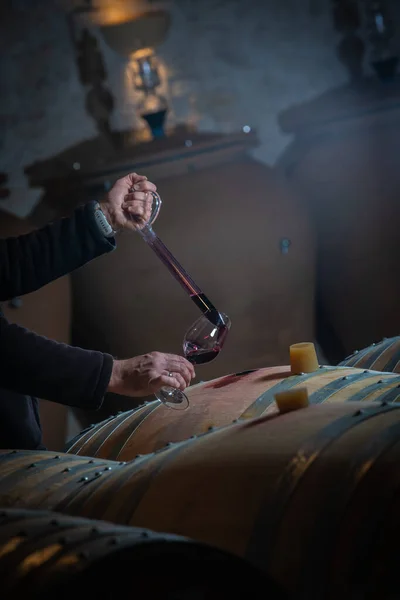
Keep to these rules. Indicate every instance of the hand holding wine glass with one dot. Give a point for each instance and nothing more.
(146, 374)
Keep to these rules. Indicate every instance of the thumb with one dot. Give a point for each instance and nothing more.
(133, 178)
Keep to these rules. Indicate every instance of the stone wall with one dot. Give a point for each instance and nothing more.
(228, 64)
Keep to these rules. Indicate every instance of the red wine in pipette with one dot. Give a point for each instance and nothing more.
(176, 269)
(207, 308)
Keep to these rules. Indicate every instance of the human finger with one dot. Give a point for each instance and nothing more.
(134, 178)
(138, 197)
(182, 383)
(144, 185)
(165, 380)
(178, 364)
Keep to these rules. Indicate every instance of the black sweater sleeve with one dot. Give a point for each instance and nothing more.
(34, 365)
(30, 261)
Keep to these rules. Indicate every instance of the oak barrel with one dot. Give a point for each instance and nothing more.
(311, 497)
(384, 356)
(46, 555)
(343, 161)
(218, 402)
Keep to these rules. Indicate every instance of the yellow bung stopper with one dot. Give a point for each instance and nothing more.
(292, 399)
(303, 358)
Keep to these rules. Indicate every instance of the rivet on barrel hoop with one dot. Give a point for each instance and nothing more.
(67, 469)
(84, 479)
(32, 465)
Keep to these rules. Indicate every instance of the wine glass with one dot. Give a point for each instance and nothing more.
(202, 343)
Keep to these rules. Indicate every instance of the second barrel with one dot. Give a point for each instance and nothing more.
(218, 402)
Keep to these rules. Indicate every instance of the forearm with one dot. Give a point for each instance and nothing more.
(34, 365)
(30, 261)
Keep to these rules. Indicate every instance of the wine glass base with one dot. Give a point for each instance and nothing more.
(173, 398)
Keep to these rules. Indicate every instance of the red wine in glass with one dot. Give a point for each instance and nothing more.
(199, 346)
(197, 356)
(205, 338)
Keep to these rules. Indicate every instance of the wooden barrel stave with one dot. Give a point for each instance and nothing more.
(384, 356)
(114, 439)
(48, 477)
(198, 419)
(382, 529)
(46, 555)
(283, 491)
(219, 402)
(86, 435)
(220, 495)
(326, 385)
(335, 505)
